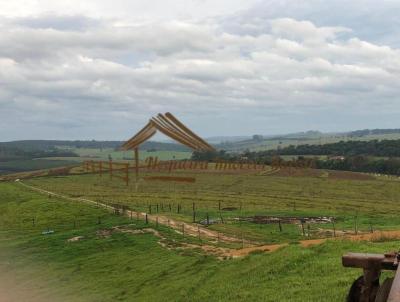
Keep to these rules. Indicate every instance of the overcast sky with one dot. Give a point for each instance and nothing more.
(99, 69)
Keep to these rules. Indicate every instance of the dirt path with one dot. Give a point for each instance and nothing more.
(195, 230)
(190, 229)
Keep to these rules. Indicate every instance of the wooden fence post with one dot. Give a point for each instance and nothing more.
(194, 212)
(334, 228)
(137, 164)
(110, 168)
(355, 224)
(127, 174)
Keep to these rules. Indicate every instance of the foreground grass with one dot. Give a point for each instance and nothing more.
(127, 267)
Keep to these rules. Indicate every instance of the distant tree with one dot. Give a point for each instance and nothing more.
(257, 137)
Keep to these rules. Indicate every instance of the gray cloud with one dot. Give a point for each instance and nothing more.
(369, 20)
(249, 73)
(58, 22)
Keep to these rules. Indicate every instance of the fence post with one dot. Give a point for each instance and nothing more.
(355, 224)
(110, 168)
(127, 174)
(147, 220)
(334, 229)
(280, 225)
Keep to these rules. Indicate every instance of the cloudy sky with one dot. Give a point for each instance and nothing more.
(99, 69)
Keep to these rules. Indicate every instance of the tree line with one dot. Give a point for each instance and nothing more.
(13, 153)
(347, 156)
(381, 148)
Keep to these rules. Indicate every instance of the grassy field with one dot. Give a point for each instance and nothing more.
(118, 266)
(33, 164)
(356, 205)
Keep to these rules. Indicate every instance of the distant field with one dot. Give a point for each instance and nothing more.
(272, 143)
(85, 154)
(30, 165)
(120, 155)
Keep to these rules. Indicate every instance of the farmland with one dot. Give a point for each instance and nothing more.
(118, 258)
(120, 155)
(348, 197)
(31, 165)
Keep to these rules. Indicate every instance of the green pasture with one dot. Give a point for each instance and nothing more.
(231, 199)
(129, 267)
